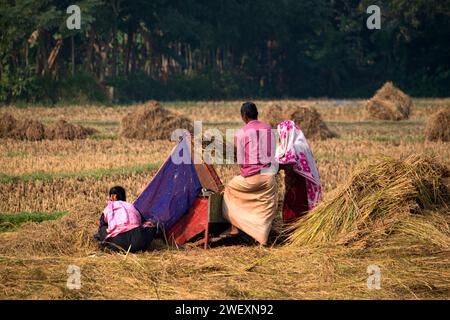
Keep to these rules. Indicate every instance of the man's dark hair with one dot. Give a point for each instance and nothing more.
(249, 109)
(119, 192)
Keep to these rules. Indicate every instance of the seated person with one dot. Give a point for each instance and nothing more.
(122, 227)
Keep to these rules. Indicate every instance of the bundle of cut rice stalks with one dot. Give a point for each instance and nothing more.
(437, 127)
(389, 103)
(384, 199)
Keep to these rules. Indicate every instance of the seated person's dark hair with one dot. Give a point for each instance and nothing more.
(119, 192)
(249, 109)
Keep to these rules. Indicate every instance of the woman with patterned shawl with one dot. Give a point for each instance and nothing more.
(302, 182)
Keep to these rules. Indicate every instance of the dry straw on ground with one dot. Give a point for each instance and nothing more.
(34, 130)
(152, 122)
(308, 119)
(384, 198)
(389, 103)
(411, 248)
(438, 126)
(34, 259)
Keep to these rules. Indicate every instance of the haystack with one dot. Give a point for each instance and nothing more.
(7, 124)
(389, 103)
(383, 199)
(64, 130)
(311, 123)
(308, 119)
(34, 130)
(275, 115)
(438, 126)
(153, 122)
(27, 129)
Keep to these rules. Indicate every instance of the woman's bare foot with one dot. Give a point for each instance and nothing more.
(230, 232)
(148, 224)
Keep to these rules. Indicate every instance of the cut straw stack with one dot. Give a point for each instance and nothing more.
(383, 197)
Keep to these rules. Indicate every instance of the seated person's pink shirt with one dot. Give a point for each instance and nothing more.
(254, 144)
(121, 217)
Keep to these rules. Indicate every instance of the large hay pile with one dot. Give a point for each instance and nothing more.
(438, 126)
(389, 103)
(153, 122)
(311, 124)
(7, 124)
(64, 130)
(386, 198)
(276, 114)
(308, 119)
(34, 130)
(28, 129)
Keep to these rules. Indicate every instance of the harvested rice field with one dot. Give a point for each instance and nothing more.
(386, 204)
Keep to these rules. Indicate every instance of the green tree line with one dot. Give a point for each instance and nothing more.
(220, 49)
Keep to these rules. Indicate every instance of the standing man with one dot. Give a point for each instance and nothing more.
(250, 198)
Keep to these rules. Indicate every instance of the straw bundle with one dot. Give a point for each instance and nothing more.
(311, 123)
(34, 130)
(389, 103)
(65, 130)
(27, 129)
(275, 114)
(153, 122)
(307, 118)
(438, 126)
(7, 124)
(383, 197)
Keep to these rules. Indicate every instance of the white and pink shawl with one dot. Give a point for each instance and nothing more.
(294, 149)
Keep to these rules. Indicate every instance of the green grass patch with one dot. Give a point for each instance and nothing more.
(96, 173)
(11, 221)
(97, 123)
(396, 139)
(14, 154)
(382, 138)
(6, 178)
(103, 136)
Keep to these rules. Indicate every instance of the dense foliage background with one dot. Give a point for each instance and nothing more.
(219, 49)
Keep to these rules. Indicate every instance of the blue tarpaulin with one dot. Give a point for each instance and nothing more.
(171, 192)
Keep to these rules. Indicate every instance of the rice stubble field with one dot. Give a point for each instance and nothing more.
(71, 178)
